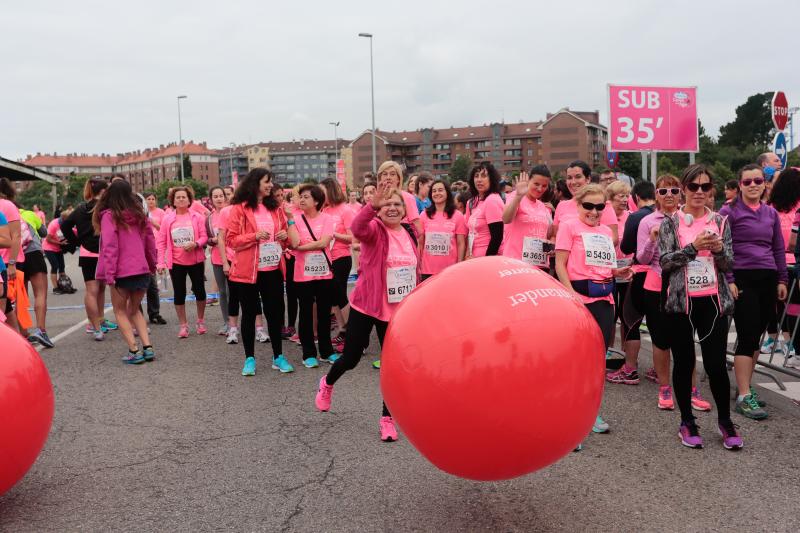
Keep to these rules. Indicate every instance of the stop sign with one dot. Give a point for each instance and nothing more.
(780, 110)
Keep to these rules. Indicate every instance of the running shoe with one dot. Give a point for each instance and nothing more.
(280, 363)
(749, 407)
(338, 339)
(133, 358)
(578, 448)
(310, 362)
(731, 439)
(665, 400)
(651, 375)
(600, 425)
(698, 402)
(183, 333)
(37, 335)
(148, 353)
(212, 301)
(233, 336)
(223, 331)
(295, 338)
(331, 358)
(157, 319)
(754, 394)
(324, 394)
(89, 329)
(56, 290)
(99, 335)
(621, 376)
(338, 347)
(388, 431)
(788, 349)
(766, 346)
(261, 335)
(108, 325)
(249, 368)
(201, 327)
(286, 333)
(792, 362)
(376, 364)
(690, 435)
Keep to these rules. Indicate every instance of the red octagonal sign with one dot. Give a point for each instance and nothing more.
(780, 110)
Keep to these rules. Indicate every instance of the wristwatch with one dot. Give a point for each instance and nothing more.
(12, 262)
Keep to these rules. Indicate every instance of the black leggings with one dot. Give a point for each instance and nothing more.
(269, 288)
(621, 292)
(712, 329)
(196, 273)
(603, 313)
(359, 328)
(341, 273)
(56, 260)
(291, 294)
(755, 307)
(319, 291)
(233, 298)
(660, 335)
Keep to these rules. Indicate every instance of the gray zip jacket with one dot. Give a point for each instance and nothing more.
(674, 260)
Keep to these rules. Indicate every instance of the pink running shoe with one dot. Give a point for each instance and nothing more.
(651, 375)
(623, 376)
(295, 338)
(698, 402)
(323, 399)
(201, 327)
(388, 431)
(731, 439)
(183, 333)
(665, 400)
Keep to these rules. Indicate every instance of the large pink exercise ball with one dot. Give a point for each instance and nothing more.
(26, 407)
(492, 369)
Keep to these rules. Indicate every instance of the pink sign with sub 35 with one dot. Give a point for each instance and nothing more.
(644, 118)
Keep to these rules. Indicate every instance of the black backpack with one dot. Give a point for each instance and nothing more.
(65, 284)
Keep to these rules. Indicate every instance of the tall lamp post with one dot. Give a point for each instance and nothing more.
(335, 137)
(180, 134)
(372, 92)
(230, 160)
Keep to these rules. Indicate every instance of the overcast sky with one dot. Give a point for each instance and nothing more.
(100, 76)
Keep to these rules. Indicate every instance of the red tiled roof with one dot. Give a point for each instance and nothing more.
(74, 160)
(47, 160)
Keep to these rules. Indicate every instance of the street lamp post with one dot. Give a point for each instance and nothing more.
(335, 137)
(180, 134)
(372, 92)
(230, 160)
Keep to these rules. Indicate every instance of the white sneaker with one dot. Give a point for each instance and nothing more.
(261, 335)
(223, 331)
(792, 362)
(766, 347)
(233, 336)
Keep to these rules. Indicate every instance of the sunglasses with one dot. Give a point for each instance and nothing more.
(674, 191)
(749, 181)
(694, 187)
(590, 206)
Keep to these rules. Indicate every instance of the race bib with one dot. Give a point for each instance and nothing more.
(59, 235)
(269, 255)
(316, 266)
(438, 243)
(701, 275)
(400, 281)
(599, 250)
(622, 263)
(533, 252)
(182, 236)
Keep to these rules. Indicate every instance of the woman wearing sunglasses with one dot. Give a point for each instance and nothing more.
(586, 263)
(696, 251)
(759, 279)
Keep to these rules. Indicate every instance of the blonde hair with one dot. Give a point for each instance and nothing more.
(586, 190)
(615, 188)
(668, 180)
(386, 165)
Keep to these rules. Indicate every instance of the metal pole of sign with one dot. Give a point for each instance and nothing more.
(653, 165)
(691, 158)
(644, 166)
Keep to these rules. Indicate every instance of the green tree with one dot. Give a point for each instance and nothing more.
(752, 125)
(40, 193)
(460, 168)
(187, 167)
(72, 192)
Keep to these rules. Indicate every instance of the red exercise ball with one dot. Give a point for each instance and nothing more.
(492, 369)
(26, 407)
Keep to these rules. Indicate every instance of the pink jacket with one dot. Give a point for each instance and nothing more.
(124, 252)
(371, 285)
(240, 236)
(164, 241)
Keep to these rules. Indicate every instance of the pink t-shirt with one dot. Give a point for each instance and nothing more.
(11, 212)
(53, 230)
(787, 221)
(575, 237)
(217, 222)
(41, 216)
(342, 220)
(313, 265)
(701, 274)
(269, 251)
(181, 233)
(487, 211)
(156, 215)
(624, 260)
(224, 215)
(401, 271)
(568, 210)
(198, 207)
(441, 246)
(412, 213)
(527, 233)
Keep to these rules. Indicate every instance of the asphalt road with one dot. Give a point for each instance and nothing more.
(187, 444)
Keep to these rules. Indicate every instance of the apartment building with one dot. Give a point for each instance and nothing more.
(298, 161)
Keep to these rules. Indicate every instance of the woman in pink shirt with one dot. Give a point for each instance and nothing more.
(126, 263)
(180, 250)
(586, 264)
(51, 245)
(484, 212)
(310, 237)
(155, 214)
(444, 232)
(341, 260)
(391, 173)
(528, 220)
(219, 261)
(389, 272)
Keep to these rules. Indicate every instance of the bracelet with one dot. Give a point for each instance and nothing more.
(290, 222)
